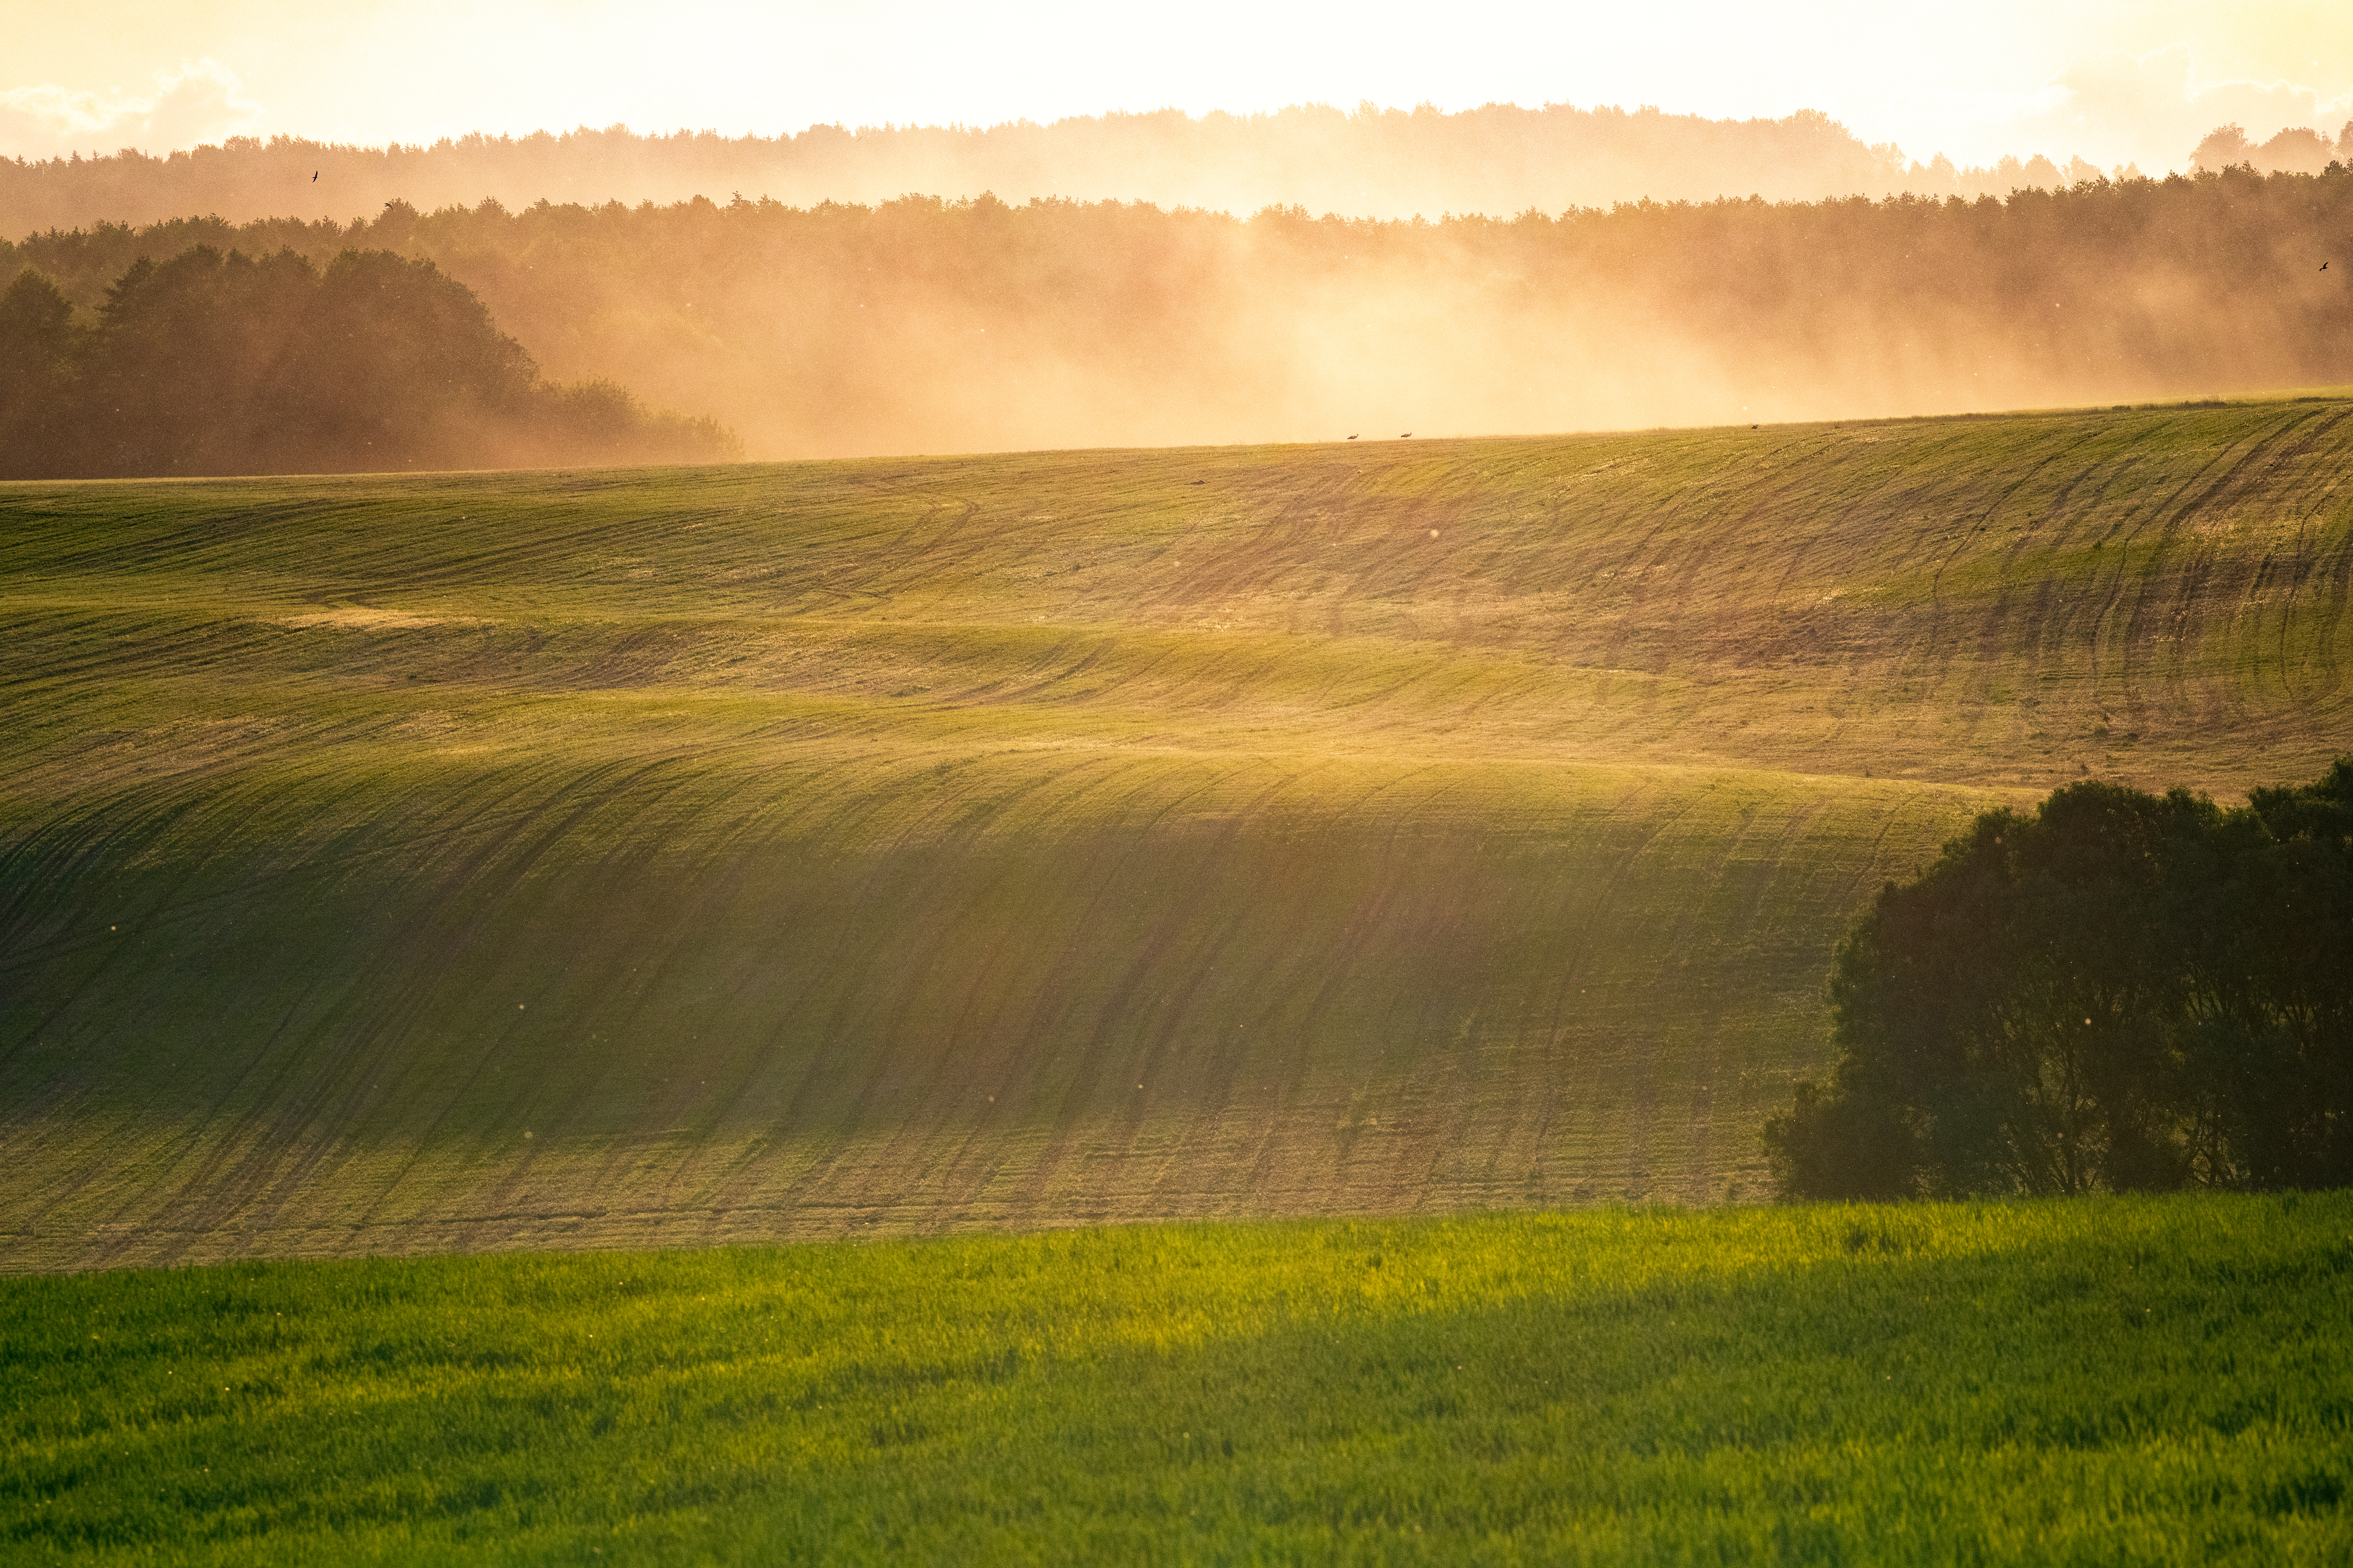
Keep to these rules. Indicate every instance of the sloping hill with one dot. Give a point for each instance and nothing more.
(582, 858)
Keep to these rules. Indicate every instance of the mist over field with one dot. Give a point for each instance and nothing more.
(922, 325)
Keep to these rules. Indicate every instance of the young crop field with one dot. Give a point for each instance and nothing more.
(2157, 1380)
(440, 863)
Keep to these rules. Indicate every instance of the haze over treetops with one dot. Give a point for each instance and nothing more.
(1372, 163)
(928, 326)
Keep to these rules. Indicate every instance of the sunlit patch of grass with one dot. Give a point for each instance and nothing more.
(2150, 1381)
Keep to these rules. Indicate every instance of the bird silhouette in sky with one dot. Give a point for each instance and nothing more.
(315, 177)
(1352, 437)
(1407, 437)
(2324, 267)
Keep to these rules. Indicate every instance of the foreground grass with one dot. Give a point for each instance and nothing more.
(2107, 1381)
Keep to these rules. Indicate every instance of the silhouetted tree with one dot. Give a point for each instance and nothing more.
(2118, 992)
(37, 348)
(2276, 1017)
(211, 363)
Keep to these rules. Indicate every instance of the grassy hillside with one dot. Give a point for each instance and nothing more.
(2107, 1381)
(404, 863)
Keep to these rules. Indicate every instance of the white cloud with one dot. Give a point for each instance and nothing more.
(202, 102)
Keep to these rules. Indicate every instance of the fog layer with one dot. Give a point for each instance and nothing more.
(928, 326)
(1500, 160)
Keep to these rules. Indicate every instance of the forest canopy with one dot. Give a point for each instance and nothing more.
(213, 363)
(2119, 992)
(1499, 158)
(924, 325)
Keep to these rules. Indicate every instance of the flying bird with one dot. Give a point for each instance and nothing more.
(1407, 437)
(315, 177)
(1352, 437)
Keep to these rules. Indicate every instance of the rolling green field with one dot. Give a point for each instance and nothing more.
(478, 861)
(2098, 1381)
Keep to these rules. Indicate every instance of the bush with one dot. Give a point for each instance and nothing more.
(2120, 992)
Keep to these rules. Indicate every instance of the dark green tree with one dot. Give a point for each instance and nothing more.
(2118, 992)
(216, 364)
(38, 348)
(2274, 1026)
(186, 376)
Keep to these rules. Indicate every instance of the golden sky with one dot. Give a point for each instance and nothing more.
(2109, 80)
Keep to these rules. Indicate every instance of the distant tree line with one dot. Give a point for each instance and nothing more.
(2118, 992)
(1371, 162)
(929, 325)
(213, 363)
(2295, 150)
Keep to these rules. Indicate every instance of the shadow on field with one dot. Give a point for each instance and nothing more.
(680, 1002)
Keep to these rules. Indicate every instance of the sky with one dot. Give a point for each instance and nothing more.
(2111, 80)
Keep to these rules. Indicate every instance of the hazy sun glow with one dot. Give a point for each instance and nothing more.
(2111, 80)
